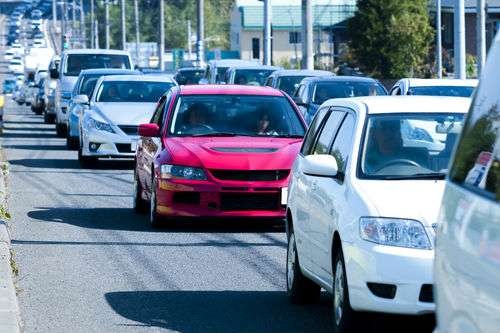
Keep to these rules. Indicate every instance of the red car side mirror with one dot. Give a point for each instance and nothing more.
(149, 130)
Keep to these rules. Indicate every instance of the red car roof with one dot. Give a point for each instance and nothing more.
(228, 89)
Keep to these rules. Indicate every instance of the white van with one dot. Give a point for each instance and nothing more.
(467, 265)
(72, 63)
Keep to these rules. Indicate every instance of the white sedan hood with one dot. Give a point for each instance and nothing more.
(411, 199)
(125, 113)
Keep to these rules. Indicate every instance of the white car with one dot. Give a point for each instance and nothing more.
(434, 87)
(71, 64)
(16, 66)
(467, 266)
(117, 106)
(38, 43)
(9, 54)
(363, 202)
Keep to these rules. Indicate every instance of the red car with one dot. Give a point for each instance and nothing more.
(217, 151)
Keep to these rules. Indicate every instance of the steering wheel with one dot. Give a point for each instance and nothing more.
(399, 161)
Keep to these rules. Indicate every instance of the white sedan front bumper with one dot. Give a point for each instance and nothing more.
(98, 143)
(377, 269)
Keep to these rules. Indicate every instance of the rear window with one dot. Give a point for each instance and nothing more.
(345, 89)
(132, 91)
(442, 91)
(75, 63)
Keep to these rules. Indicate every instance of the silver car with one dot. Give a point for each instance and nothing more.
(116, 108)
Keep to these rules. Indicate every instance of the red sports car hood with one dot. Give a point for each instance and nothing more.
(234, 153)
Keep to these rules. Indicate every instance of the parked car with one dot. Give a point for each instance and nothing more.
(314, 91)
(71, 64)
(217, 151)
(434, 87)
(9, 85)
(289, 79)
(188, 75)
(249, 75)
(85, 86)
(362, 205)
(467, 266)
(215, 71)
(117, 106)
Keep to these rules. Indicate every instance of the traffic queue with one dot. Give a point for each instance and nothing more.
(356, 173)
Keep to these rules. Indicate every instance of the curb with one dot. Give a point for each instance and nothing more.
(10, 316)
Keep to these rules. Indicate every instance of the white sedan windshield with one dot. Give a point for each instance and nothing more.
(409, 146)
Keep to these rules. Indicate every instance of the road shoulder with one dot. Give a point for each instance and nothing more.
(10, 318)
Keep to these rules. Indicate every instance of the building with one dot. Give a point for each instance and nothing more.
(329, 24)
(492, 24)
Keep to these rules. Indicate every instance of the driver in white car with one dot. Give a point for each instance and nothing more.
(387, 148)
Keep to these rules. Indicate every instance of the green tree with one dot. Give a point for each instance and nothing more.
(390, 38)
(177, 14)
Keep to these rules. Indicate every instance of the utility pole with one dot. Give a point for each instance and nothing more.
(106, 18)
(83, 33)
(481, 35)
(54, 15)
(162, 35)
(307, 35)
(137, 34)
(73, 16)
(63, 24)
(459, 51)
(267, 32)
(124, 27)
(439, 43)
(92, 26)
(96, 22)
(200, 33)
(190, 50)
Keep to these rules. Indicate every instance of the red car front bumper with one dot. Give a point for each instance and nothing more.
(256, 199)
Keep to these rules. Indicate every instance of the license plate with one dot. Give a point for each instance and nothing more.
(284, 195)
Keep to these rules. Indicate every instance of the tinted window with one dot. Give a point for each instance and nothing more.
(327, 133)
(75, 63)
(477, 160)
(221, 73)
(289, 83)
(312, 131)
(253, 77)
(342, 145)
(189, 77)
(230, 115)
(132, 91)
(442, 91)
(343, 89)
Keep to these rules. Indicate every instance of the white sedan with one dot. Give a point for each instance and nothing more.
(363, 202)
(117, 106)
(434, 87)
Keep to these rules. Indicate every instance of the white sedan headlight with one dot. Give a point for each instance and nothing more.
(99, 125)
(169, 171)
(394, 232)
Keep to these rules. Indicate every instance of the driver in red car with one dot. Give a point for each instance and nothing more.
(196, 120)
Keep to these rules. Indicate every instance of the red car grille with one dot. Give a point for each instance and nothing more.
(249, 201)
(250, 175)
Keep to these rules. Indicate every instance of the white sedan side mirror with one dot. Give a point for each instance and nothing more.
(322, 165)
(81, 99)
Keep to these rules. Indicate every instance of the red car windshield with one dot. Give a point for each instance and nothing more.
(235, 115)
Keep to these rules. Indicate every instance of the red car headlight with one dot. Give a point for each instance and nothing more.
(169, 171)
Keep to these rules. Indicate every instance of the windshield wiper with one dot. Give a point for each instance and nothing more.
(429, 175)
(291, 136)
